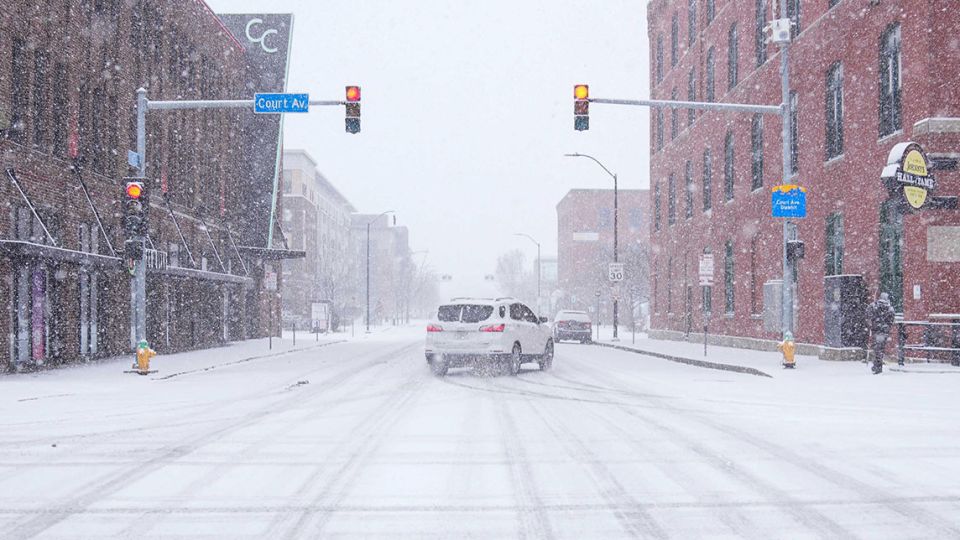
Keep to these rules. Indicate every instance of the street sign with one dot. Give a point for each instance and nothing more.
(615, 272)
(706, 269)
(789, 201)
(133, 159)
(281, 103)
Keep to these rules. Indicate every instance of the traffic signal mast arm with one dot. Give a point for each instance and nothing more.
(704, 105)
(222, 104)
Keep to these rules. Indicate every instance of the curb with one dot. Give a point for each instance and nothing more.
(923, 371)
(689, 361)
(249, 359)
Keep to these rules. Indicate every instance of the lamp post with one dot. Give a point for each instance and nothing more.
(368, 263)
(616, 232)
(539, 264)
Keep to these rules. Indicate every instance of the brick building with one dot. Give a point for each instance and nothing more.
(585, 247)
(68, 76)
(316, 219)
(865, 76)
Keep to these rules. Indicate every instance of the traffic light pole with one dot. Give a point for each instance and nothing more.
(138, 286)
(783, 111)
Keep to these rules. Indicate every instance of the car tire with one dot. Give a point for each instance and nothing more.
(514, 360)
(438, 366)
(546, 360)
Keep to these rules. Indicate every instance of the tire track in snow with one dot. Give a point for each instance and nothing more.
(101, 487)
(358, 446)
(308, 396)
(534, 520)
(634, 518)
(782, 453)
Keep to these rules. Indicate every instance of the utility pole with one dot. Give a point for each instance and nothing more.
(787, 299)
(616, 234)
(368, 263)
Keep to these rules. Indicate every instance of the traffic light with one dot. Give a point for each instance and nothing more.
(353, 109)
(133, 205)
(581, 107)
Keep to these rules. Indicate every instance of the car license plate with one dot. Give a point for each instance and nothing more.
(462, 335)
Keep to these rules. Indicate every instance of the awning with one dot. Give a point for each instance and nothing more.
(272, 254)
(177, 271)
(14, 248)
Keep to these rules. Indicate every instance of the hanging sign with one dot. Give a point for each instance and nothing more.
(908, 172)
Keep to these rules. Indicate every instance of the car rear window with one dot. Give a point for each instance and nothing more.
(468, 313)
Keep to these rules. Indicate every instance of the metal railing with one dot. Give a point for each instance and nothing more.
(155, 259)
(933, 342)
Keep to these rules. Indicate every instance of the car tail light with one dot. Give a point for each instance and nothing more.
(434, 328)
(493, 328)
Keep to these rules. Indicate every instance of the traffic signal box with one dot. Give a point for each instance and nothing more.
(135, 202)
(581, 107)
(353, 109)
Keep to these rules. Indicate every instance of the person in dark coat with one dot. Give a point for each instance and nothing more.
(880, 317)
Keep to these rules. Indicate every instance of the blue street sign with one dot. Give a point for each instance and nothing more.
(789, 201)
(281, 103)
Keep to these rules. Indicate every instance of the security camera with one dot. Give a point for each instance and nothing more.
(778, 31)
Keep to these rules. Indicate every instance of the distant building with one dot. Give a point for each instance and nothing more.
(585, 249)
(866, 76)
(316, 219)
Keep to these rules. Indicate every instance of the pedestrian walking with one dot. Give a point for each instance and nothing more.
(880, 317)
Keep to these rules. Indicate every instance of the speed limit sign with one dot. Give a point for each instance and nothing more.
(615, 272)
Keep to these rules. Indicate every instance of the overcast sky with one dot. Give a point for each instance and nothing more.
(467, 112)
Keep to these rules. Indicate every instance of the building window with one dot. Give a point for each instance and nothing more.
(728, 167)
(670, 285)
(287, 182)
(61, 107)
(760, 39)
(732, 57)
(890, 111)
(794, 135)
(688, 191)
(674, 40)
(604, 218)
(711, 75)
(711, 10)
(707, 180)
(656, 207)
(19, 98)
(671, 199)
(659, 59)
(635, 219)
(754, 297)
(834, 143)
(834, 256)
(691, 21)
(674, 120)
(728, 279)
(756, 146)
(659, 129)
(41, 96)
(831, 3)
(691, 96)
(793, 13)
(891, 253)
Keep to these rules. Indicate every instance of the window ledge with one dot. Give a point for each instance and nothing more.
(757, 190)
(728, 315)
(834, 160)
(886, 138)
(756, 316)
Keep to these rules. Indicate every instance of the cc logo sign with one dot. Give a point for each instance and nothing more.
(262, 40)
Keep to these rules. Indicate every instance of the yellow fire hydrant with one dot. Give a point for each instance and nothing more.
(144, 354)
(788, 348)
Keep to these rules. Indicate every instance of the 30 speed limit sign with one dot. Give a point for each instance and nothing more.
(615, 272)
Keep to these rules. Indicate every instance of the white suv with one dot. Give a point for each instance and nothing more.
(475, 331)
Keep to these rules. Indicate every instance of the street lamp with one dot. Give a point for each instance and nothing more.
(616, 232)
(539, 264)
(368, 262)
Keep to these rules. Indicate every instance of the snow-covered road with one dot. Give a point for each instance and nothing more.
(358, 439)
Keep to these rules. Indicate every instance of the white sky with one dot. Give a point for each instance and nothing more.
(467, 112)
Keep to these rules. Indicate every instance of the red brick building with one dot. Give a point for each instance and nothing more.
(865, 76)
(585, 248)
(69, 71)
